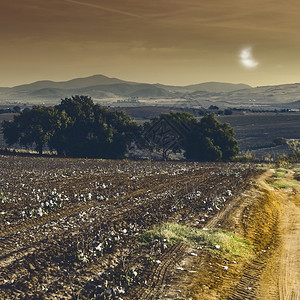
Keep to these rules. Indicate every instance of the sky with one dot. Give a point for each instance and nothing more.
(175, 42)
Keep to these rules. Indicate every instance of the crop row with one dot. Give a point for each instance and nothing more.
(72, 227)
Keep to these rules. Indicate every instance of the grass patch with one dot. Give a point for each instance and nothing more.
(262, 167)
(285, 171)
(216, 240)
(283, 184)
(278, 175)
(281, 180)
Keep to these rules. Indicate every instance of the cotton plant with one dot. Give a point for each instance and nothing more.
(46, 203)
(3, 199)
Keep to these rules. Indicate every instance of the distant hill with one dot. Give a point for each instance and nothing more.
(211, 87)
(100, 86)
(202, 94)
(71, 84)
(294, 104)
(276, 94)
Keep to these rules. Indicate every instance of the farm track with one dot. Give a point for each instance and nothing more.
(275, 273)
(38, 254)
(247, 286)
(265, 241)
(281, 277)
(156, 277)
(254, 214)
(269, 218)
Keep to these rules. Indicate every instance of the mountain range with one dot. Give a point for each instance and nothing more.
(102, 87)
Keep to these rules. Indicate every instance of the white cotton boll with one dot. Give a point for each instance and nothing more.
(40, 211)
(99, 247)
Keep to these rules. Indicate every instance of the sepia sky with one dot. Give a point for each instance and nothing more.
(176, 42)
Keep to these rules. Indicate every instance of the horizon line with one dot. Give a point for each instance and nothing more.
(153, 83)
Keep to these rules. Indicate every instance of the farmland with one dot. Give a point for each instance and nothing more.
(258, 130)
(71, 228)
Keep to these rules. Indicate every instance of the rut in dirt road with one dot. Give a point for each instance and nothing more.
(289, 280)
(284, 284)
(270, 219)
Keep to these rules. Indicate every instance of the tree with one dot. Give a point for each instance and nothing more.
(167, 131)
(207, 140)
(228, 111)
(199, 147)
(33, 128)
(17, 109)
(93, 130)
(77, 127)
(210, 140)
(279, 141)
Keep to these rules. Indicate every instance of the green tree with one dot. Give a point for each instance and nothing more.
(77, 127)
(204, 140)
(166, 131)
(93, 130)
(32, 128)
(210, 140)
(294, 146)
(17, 109)
(228, 111)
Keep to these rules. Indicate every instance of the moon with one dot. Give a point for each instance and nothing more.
(247, 59)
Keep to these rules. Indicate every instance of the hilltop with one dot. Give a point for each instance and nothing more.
(104, 88)
(100, 86)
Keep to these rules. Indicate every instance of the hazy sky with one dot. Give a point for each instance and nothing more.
(167, 41)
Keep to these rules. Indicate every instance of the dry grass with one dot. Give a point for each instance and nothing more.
(285, 178)
(218, 241)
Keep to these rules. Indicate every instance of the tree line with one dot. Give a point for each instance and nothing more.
(79, 128)
(15, 109)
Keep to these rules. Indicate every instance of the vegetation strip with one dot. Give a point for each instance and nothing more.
(216, 240)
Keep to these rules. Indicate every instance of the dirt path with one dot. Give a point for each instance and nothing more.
(289, 272)
(281, 279)
(270, 219)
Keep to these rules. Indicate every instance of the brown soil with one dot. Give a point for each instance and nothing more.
(89, 246)
(270, 219)
(39, 254)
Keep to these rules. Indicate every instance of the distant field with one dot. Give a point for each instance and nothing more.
(259, 130)
(6, 117)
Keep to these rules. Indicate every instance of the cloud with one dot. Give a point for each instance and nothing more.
(113, 10)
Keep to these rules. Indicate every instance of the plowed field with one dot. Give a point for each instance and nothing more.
(70, 228)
